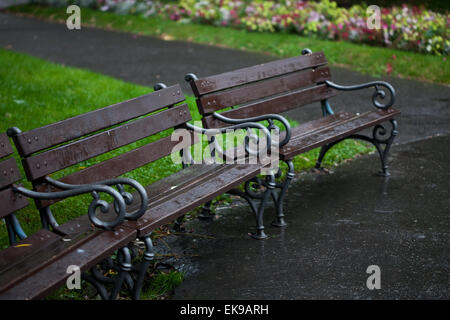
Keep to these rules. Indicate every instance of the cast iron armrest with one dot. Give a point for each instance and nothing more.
(379, 93)
(269, 117)
(119, 201)
(244, 125)
(118, 182)
(266, 117)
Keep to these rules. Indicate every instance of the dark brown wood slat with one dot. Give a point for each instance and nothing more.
(183, 202)
(5, 147)
(220, 100)
(163, 191)
(78, 126)
(62, 157)
(9, 172)
(11, 202)
(116, 166)
(167, 188)
(38, 260)
(31, 251)
(348, 127)
(180, 181)
(184, 177)
(310, 126)
(125, 162)
(54, 274)
(273, 105)
(81, 226)
(317, 124)
(256, 73)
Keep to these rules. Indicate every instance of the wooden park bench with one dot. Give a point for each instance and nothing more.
(35, 265)
(260, 92)
(70, 143)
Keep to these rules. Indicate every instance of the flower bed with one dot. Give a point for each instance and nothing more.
(405, 27)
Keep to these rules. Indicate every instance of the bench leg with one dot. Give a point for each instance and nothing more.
(178, 224)
(14, 228)
(279, 199)
(377, 140)
(253, 198)
(99, 281)
(48, 221)
(206, 211)
(140, 270)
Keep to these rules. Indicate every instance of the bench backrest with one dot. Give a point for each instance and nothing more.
(268, 88)
(9, 174)
(66, 143)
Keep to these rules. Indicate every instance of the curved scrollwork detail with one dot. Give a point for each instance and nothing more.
(122, 268)
(96, 203)
(190, 77)
(249, 137)
(269, 117)
(119, 182)
(379, 93)
(253, 188)
(378, 139)
(262, 198)
(379, 133)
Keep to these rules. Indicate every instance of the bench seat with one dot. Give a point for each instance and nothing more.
(323, 131)
(34, 271)
(177, 194)
(92, 238)
(45, 255)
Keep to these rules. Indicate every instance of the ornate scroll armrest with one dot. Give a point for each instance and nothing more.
(190, 77)
(268, 117)
(119, 201)
(119, 182)
(244, 125)
(379, 93)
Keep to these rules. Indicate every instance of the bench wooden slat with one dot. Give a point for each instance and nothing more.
(78, 126)
(38, 260)
(62, 157)
(27, 256)
(273, 105)
(159, 191)
(35, 242)
(54, 274)
(203, 191)
(114, 167)
(338, 131)
(165, 189)
(80, 226)
(9, 172)
(317, 124)
(5, 147)
(256, 73)
(220, 100)
(11, 202)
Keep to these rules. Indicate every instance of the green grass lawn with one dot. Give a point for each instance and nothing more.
(361, 58)
(35, 92)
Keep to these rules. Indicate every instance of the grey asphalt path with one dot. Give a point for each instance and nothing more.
(339, 224)
(145, 60)
(8, 3)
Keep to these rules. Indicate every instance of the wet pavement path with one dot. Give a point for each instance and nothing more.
(339, 224)
(146, 60)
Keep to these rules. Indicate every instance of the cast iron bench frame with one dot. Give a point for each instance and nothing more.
(263, 91)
